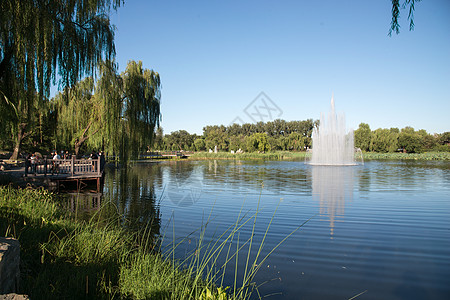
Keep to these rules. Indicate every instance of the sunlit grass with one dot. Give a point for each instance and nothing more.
(99, 259)
(278, 155)
(287, 155)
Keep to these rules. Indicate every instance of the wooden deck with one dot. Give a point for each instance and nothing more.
(68, 171)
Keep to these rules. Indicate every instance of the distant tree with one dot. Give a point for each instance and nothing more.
(199, 144)
(384, 140)
(159, 139)
(258, 142)
(181, 140)
(363, 137)
(444, 138)
(410, 141)
(396, 6)
(216, 136)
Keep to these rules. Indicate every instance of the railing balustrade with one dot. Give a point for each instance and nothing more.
(68, 167)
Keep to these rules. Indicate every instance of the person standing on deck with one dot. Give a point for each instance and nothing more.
(56, 157)
(33, 160)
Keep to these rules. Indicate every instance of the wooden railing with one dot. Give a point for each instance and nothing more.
(68, 167)
(165, 153)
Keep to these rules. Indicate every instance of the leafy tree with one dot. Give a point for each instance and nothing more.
(44, 40)
(159, 139)
(77, 114)
(384, 140)
(258, 142)
(444, 138)
(200, 144)
(395, 26)
(216, 136)
(410, 141)
(121, 117)
(141, 108)
(180, 140)
(363, 137)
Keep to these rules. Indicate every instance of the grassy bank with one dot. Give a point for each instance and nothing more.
(285, 155)
(408, 156)
(64, 258)
(279, 155)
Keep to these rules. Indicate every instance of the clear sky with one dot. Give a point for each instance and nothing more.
(215, 58)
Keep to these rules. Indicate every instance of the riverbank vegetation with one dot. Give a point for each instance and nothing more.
(286, 155)
(281, 135)
(66, 258)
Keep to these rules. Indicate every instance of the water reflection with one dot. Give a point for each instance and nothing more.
(83, 204)
(128, 193)
(332, 187)
(183, 183)
(132, 190)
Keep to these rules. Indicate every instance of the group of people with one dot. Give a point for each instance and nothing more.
(33, 159)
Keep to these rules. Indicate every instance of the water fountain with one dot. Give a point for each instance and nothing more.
(332, 145)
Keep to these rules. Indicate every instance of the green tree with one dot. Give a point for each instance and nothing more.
(363, 137)
(180, 140)
(410, 140)
(199, 144)
(121, 117)
(384, 140)
(141, 108)
(41, 41)
(258, 142)
(444, 138)
(216, 136)
(77, 114)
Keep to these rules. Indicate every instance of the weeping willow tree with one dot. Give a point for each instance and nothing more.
(78, 114)
(396, 6)
(141, 108)
(42, 40)
(120, 117)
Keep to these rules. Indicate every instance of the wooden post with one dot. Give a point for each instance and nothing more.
(98, 166)
(45, 167)
(72, 165)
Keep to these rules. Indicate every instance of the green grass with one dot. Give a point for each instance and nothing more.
(278, 155)
(287, 155)
(407, 156)
(64, 258)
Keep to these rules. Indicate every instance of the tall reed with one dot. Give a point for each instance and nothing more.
(98, 259)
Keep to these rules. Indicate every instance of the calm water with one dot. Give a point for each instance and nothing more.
(382, 229)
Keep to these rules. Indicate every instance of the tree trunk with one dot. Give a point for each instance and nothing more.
(82, 139)
(21, 134)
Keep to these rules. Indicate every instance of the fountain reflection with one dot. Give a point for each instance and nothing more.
(332, 187)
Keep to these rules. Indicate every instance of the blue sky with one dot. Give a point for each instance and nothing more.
(216, 57)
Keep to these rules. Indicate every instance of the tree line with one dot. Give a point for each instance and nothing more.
(270, 136)
(281, 135)
(405, 140)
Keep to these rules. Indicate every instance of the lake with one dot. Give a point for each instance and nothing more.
(379, 230)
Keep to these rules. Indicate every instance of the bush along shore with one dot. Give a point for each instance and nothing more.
(290, 155)
(66, 258)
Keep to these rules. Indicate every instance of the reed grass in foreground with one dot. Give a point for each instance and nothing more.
(65, 258)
